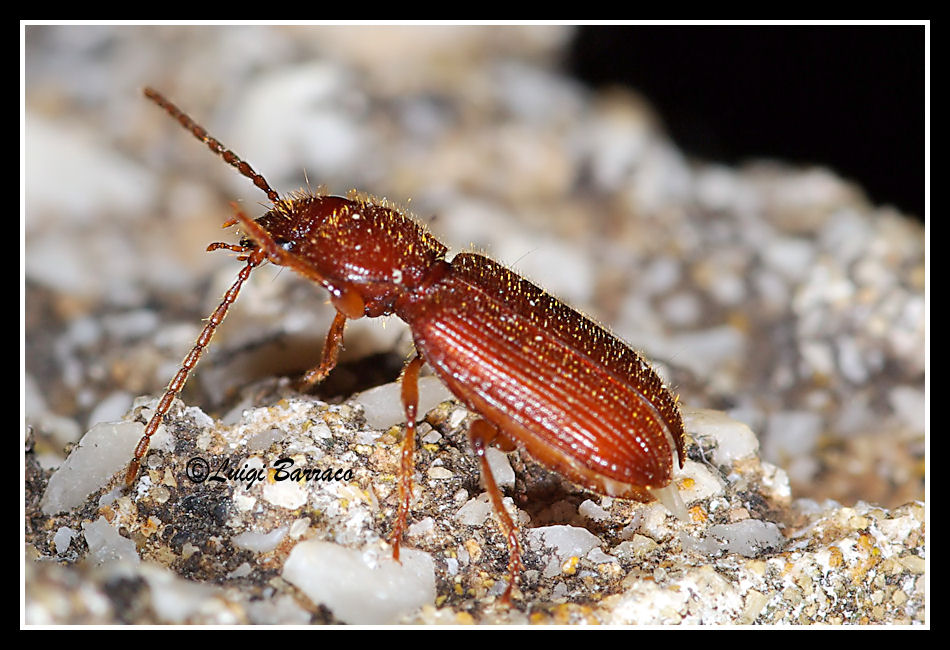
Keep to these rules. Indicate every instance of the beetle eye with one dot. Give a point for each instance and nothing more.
(249, 244)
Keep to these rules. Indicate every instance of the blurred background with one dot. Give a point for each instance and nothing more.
(742, 204)
(850, 97)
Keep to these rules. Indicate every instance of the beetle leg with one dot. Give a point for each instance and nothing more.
(410, 402)
(331, 353)
(480, 434)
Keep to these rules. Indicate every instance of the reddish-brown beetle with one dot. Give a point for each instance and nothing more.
(541, 376)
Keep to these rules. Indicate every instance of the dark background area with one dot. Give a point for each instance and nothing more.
(851, 98)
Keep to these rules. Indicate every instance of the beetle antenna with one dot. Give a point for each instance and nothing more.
(199, 132)
(178, 382)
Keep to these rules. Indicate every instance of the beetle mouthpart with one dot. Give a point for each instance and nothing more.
(670, 497)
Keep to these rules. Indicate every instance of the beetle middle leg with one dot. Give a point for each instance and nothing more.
(481, 433)
(410, 401)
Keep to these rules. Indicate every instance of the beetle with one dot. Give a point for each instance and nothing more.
(539, 375)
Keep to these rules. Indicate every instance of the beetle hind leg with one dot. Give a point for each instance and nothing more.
(481, 433)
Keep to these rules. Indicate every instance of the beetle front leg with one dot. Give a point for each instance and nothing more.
(481, 433)
(330, 355)
(410, 402)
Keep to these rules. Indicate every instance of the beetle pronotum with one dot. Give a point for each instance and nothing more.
(539, 375)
